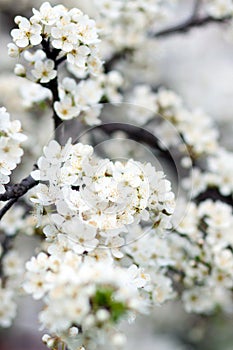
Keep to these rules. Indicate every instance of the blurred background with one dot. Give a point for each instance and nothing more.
(197, 65)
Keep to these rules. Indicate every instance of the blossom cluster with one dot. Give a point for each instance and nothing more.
(94, 208)
(84, 99)
(98, 192)
(215, 176)
(83, 297)
(62, 33)
(125, 24)
(10, 146)
(168, 105)
(11, 273)
(201, 249)
(153, 254)
(71, 36)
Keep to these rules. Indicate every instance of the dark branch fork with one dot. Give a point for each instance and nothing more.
(16, 191)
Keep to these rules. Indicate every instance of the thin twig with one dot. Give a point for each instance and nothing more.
(7, 206)
(189, 24)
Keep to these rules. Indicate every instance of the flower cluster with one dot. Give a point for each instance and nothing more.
(188, 124)
(201, 249)
(95, 208)
(99, 195)
(7, 307)
(125, 24)
(111, 243)
(10, 146)
(153, 254)
(216, 175)
(11, 273)
(220, 167)
(62, 33)
(219, 8)
(83, 297)
(83, 99)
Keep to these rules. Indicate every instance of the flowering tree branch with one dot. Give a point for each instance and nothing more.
(15, 191)
(190, 23)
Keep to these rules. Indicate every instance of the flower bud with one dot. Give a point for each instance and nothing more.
(20, 70)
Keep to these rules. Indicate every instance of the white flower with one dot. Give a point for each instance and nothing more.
(91, 115)
(94, 65)
(66, 110)
(7, 307)
(44, 71)
(64, 37)
(88, 92)
(86, 31)
(221, 166)
(13, 50)
(12, 264)
(47, 14)
(198, 299)
(20, 70)
(36, 285)
(144, 105)
(27, 33)
(79, 56)
(38, 55)
(12, 221)
(33, 93)
(10, 148)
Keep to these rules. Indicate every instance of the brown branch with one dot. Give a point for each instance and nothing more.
(6, 244)
(187, 25)
(7, 206)
(119, 55)
(18, 190)
(136, 133)
(214, 194)
(52, 85)
(141, 136)
(14, 192)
